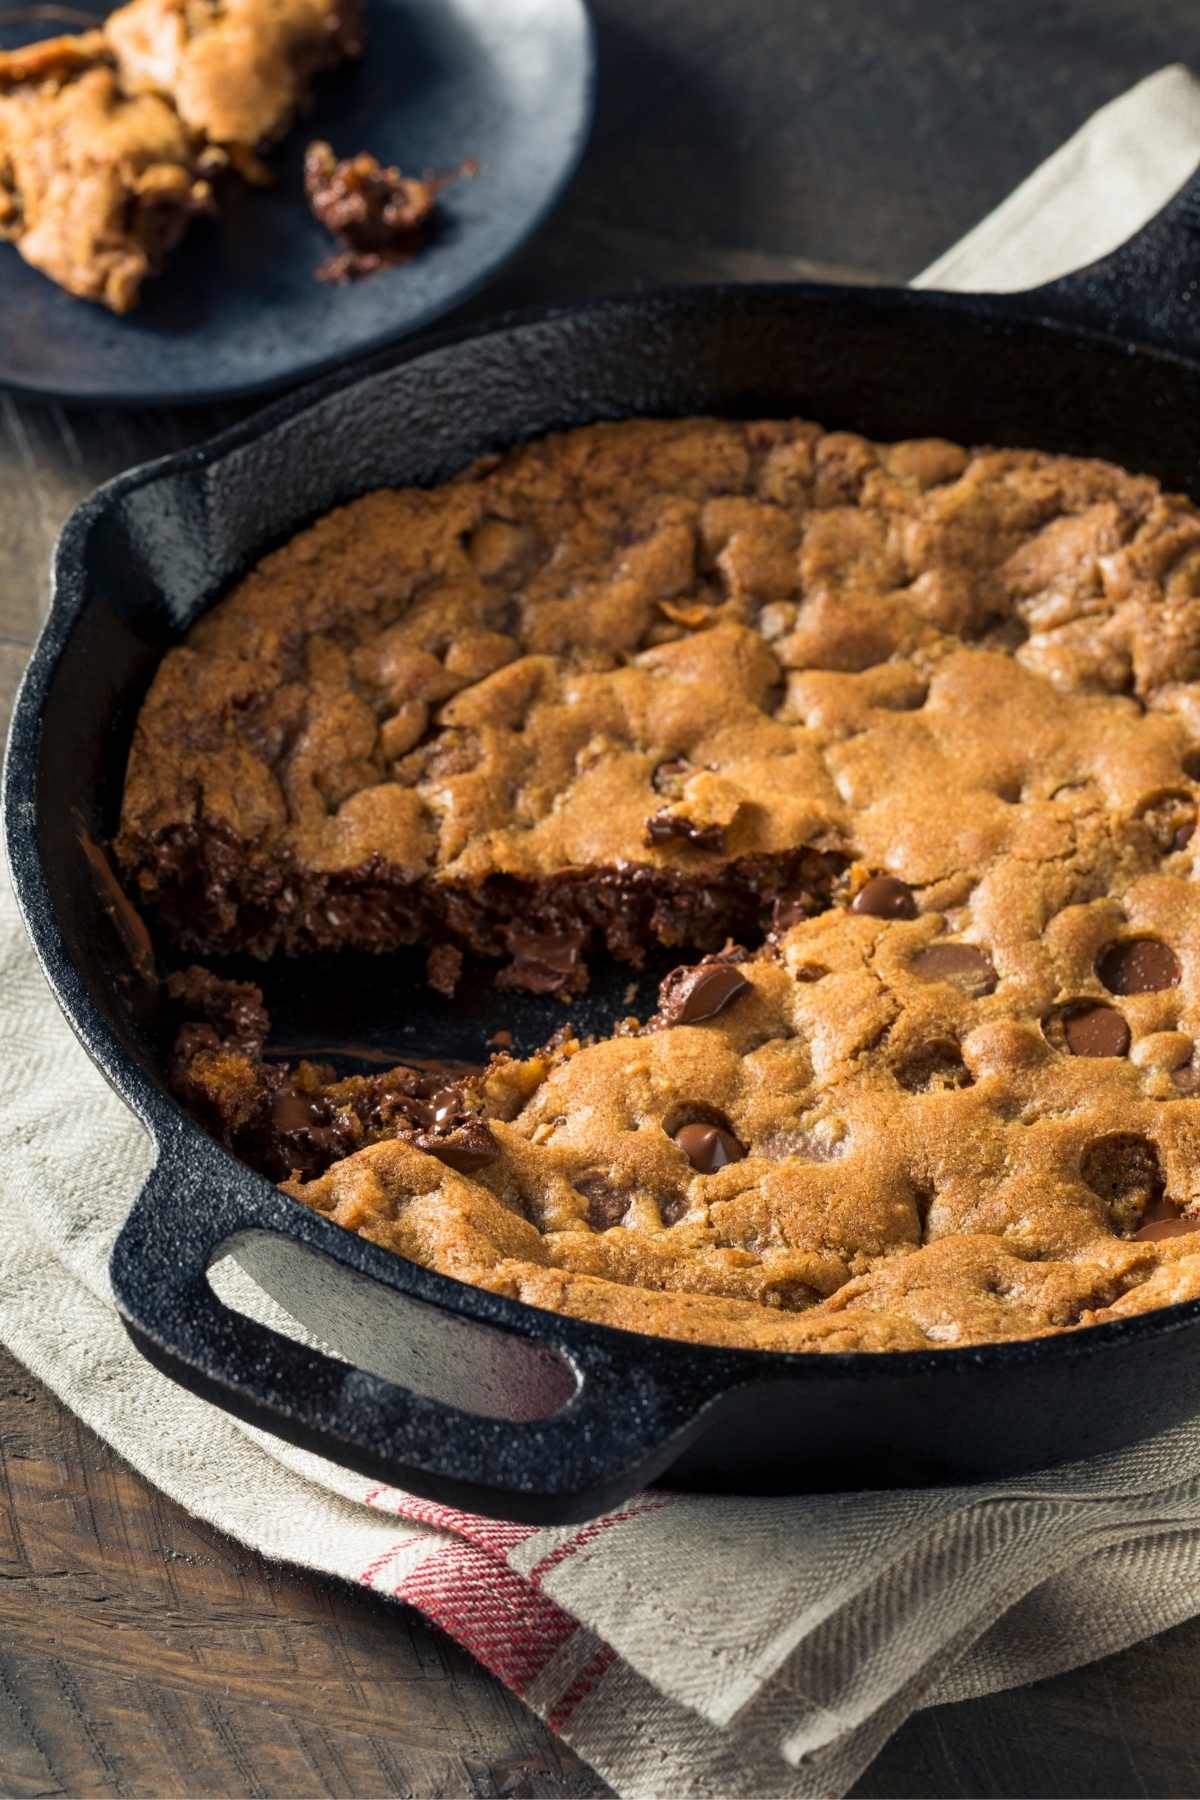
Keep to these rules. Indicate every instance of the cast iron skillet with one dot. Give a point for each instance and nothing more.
(456, 1394)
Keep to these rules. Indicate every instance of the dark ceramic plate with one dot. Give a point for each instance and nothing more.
(504, 82)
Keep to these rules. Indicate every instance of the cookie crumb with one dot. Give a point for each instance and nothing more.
(379, 216)
(443, 969)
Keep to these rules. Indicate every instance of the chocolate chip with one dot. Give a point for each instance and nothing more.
(812, 971)
(468, 1144)
(666, 778)
(291, 1111)
(689, 996)
(665, 827)
(1191, 765)
(443, 968)
(544, 962)
(1187, 1079)
(606, 1204)
(558, 951)
(1184, 834)
(1157, 1229)
(883, 897)
(1096, 1031)
(1140, 966)
(444, 1104)
(708, 1147)
(963, 964)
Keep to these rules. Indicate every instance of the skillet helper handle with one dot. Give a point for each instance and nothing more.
(624, 1419)
(1147, 291)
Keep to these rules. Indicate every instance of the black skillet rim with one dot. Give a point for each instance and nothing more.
(715, 1368)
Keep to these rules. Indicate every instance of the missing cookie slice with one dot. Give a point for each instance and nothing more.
(297, 1119)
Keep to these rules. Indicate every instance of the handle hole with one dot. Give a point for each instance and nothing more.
(309, 1297)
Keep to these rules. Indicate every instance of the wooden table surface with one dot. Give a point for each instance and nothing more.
(143, 1654)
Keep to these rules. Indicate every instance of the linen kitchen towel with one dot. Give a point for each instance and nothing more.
(684, 1645)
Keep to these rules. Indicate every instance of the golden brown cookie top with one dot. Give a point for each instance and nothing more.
(939, 1112)
(681, 644)
(848, 1152)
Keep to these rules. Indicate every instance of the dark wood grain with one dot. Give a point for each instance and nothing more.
(141, 1653)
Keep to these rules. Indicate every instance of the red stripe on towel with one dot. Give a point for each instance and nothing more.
(497, 1535)
(377, 1562)
(491, 1611)
(588, 1677)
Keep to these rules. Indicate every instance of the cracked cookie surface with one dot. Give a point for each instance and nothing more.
(954, 1097)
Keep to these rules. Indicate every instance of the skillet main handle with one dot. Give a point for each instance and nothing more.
(1147, 291)
(621, 1418)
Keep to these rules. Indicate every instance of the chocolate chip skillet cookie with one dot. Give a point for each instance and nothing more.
(920, 726)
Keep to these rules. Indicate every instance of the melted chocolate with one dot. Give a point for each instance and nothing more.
(668, 775)
(1096, 1031)
(462, 1141)
(709, 1147)
(963, 964)
(545, 962)
(607, 1204)
(1141, 966)
(214, 896)
(665, 827)
(883, 897)
(690, 996)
